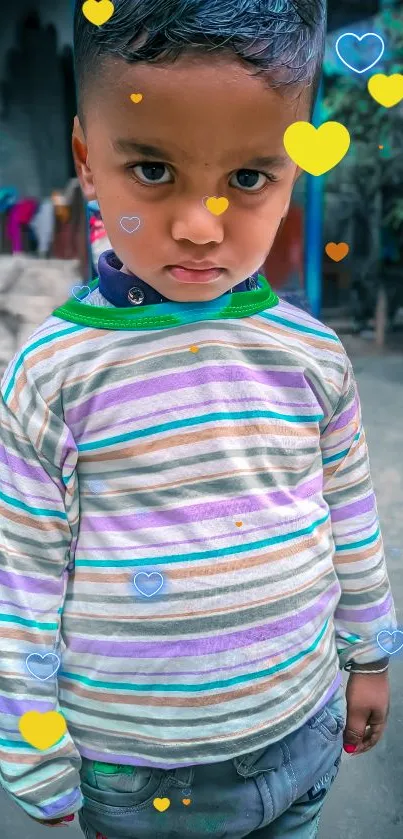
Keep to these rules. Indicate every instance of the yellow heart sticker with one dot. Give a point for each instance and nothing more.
(217, 206)
(98, 11)
(136, 97)
(387, 90)
(161, 804)
(42, 730)
(337, 252)
(186, 801)
(316, 150)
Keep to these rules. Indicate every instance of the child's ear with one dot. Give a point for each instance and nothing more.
(80, 156)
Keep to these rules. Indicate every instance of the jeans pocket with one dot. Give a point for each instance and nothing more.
(109, 778)
(331, 719)
(255, 763)
(120, 790)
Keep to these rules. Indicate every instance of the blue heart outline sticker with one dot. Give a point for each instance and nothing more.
(137, 582)
(32, 658)
(360, 38)
(391, 635)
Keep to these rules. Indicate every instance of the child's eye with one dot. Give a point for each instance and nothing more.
(250, 179)
(151, 173)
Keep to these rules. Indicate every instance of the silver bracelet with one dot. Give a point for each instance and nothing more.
(370, 671)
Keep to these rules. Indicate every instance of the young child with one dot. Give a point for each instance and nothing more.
(188, 522)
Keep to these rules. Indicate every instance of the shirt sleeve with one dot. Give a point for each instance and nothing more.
(366, 605)
(39, 517)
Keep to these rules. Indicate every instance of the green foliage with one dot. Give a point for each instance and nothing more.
(367, 169)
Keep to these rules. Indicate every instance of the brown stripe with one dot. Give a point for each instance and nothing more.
(190, 438)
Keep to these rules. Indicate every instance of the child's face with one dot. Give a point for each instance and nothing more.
(208, 121)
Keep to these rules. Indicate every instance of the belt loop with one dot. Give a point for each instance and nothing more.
(183, 776)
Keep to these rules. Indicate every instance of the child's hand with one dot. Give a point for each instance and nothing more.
(367, 710)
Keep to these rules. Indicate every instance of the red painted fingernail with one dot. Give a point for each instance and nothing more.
(348, 748)
(69, 818)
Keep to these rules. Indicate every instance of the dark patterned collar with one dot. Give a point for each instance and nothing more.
(123, 290)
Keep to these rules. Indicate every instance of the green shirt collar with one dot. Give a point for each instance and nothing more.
(164, 315)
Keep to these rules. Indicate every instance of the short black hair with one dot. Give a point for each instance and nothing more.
(283, 39)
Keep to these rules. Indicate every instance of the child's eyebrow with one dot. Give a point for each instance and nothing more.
(123, 146)
(275, 161)
(129, 146)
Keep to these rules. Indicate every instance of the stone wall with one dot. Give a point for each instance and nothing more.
(30, 289)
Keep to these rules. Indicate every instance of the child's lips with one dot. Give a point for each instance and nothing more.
(193, 275)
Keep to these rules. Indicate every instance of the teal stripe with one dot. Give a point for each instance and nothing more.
(22, 744)
(334, 457)
(360, 544)
(168, 560)
(25, 622)
(352, 639)
(299, 327)
(181, 688)
(185, 423)
(342, 454)
(41, 343)
(35, 511)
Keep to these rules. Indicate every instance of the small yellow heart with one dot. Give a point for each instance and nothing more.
(238, 523)
(136, 97)
(161, 804)
(316, 150)
(387, 90)
(42, 730)
(186, 801)
(217, 206)
(98, 11)
(194, 349)
(337, 252)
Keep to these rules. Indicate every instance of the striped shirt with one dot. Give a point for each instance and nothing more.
(188, 522)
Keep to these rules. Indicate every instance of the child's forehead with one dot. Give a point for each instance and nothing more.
(200, 77)
(198, 95)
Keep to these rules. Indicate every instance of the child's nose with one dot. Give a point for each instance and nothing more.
(194, 222)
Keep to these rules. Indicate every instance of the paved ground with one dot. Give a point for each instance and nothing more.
(367, 798)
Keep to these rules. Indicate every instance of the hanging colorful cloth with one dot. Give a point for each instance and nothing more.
(19, 214)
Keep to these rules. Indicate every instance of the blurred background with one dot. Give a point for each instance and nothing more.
(50, 242)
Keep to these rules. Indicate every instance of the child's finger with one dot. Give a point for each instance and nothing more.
(371, 737)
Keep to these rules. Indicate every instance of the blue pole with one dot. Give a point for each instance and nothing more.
(313, 251)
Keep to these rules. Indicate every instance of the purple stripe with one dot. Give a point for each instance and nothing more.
(344, 418)
(371, 525)
(200, 512)
(364, 615)
(172, 382)
(18, 606)
(193, 407)
(356, 508)
(63, 805)
(22, 583)
(90, 754)
(339, 445)
(208, 645)
(17, 707)
(199, 673)
(20, 467)
(30, 495)
(197, 541)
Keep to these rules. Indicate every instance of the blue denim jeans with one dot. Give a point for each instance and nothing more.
(274, 793)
